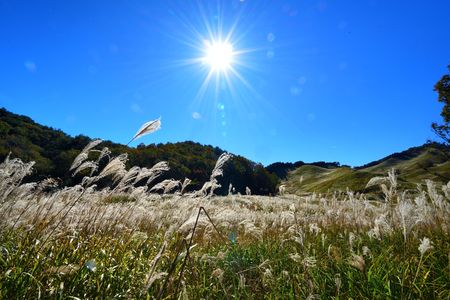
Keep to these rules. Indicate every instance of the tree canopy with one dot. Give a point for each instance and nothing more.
(442, 87)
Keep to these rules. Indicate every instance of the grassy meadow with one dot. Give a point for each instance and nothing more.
(135, 239)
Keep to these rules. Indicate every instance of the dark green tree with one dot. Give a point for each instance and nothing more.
(442, 87)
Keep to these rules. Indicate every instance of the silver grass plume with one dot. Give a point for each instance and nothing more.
(152, 173)
(92, 145)
(218, 171)
(186, 182)
(119, 175)
(87, 181)
(425, 245)
(212, 184)
(203, 192)
(230, 189)
(157, 170)
(218, 168)
(377, 180)
(84, 154)
(405, 211)
(390, 179)
(436, 199)
(147, 128)
(139, 192)
(172, 185)
(78, 160)
(248, 191)
(446, 190)
(143, 173)
(166, 185)
(282, 189)
(25, 191)
(86, 165)
(115, 167)
(105, 152)
(128, 179)
(12, 172)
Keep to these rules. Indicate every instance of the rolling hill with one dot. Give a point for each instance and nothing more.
(413, 166)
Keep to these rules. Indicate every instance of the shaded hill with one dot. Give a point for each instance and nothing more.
(430, 161)
(53, 151)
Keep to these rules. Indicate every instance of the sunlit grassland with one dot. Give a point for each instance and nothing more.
(126, 241)
(275, 248)
(415, 165)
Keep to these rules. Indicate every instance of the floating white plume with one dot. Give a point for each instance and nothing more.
(147, 128)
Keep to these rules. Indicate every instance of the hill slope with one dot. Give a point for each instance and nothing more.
(430, 161)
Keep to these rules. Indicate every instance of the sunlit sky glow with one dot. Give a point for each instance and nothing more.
(348, 81)
(219, 55)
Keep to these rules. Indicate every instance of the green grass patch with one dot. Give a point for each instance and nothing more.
(118, 265)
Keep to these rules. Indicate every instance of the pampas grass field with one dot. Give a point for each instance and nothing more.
(138, 238)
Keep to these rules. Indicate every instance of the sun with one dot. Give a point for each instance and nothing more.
(218, 55)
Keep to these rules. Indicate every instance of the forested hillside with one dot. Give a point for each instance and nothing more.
(53, 151)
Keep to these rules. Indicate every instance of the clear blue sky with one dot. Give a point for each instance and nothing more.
(348, 81)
